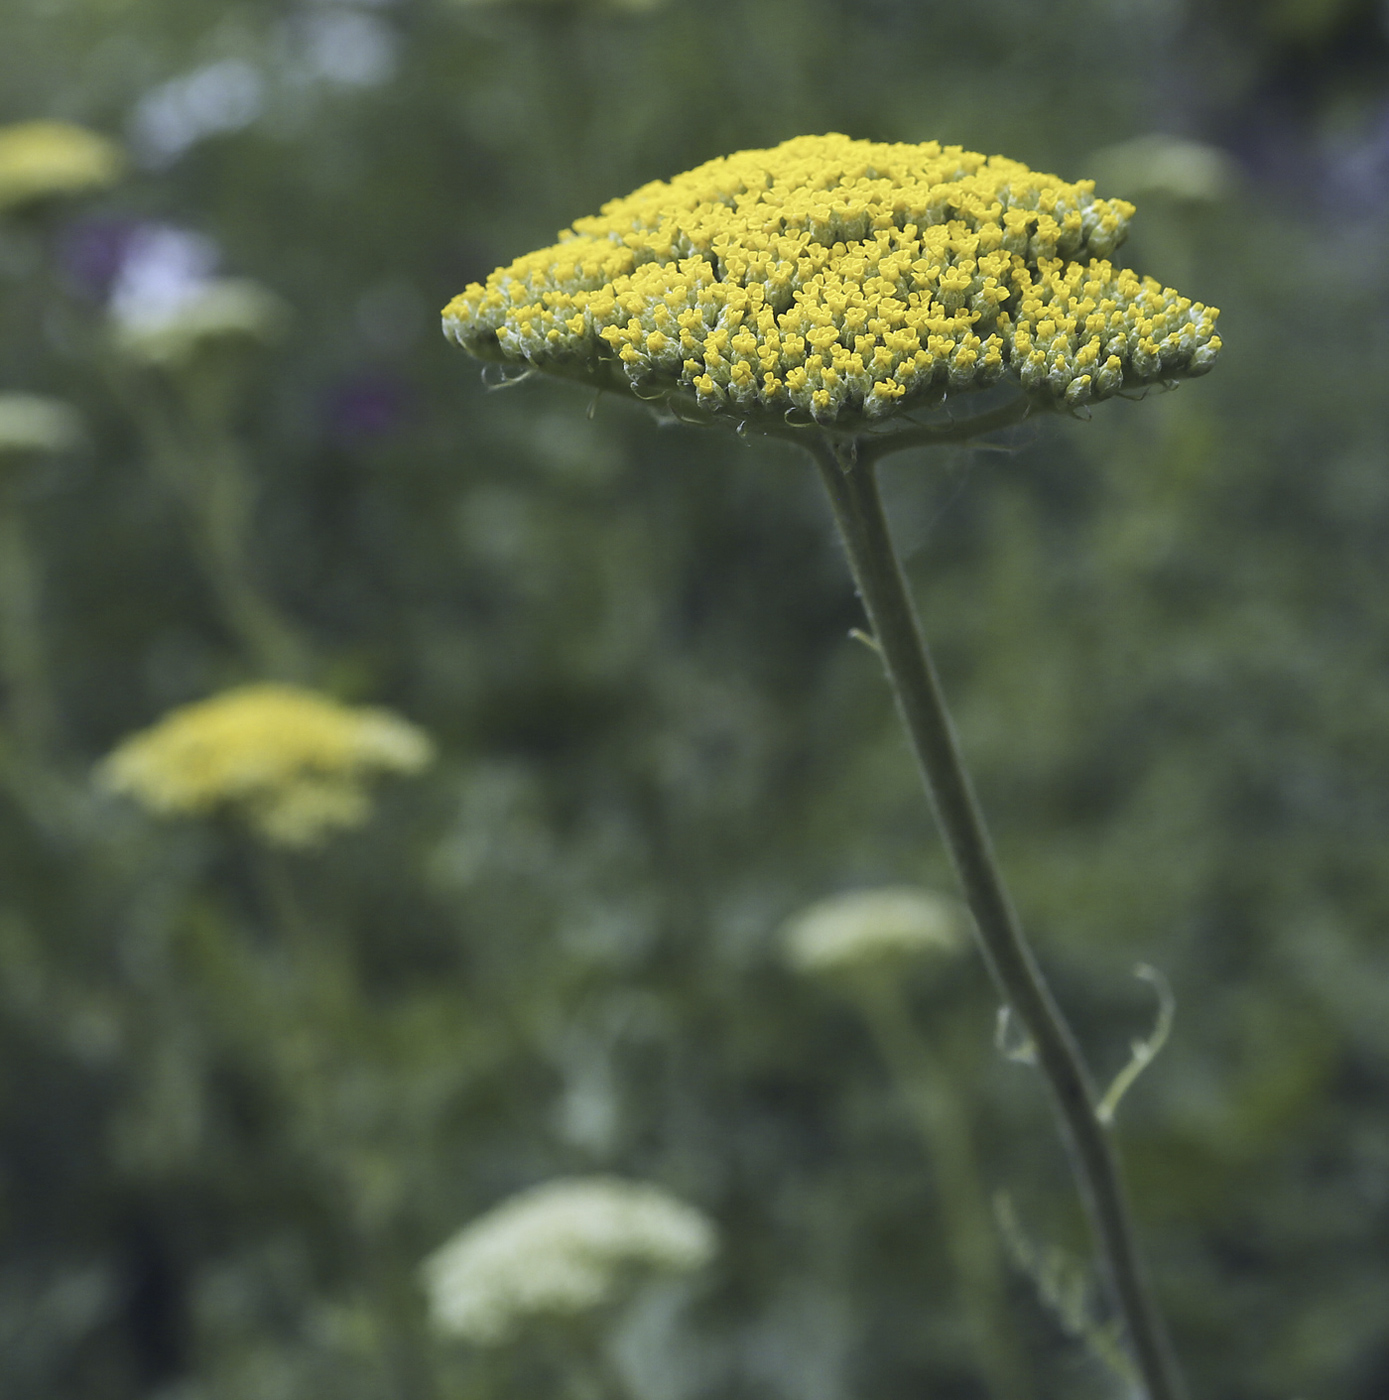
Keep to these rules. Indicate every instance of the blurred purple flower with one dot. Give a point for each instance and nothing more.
(1357, 175)
(142, 269)
(91, 253)
(367, 405)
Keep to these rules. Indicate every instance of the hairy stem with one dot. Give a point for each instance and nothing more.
(853, 491)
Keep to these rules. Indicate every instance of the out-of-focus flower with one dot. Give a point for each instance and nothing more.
(1189, 172)
(367, 406)
(634, 6)
(874, 929)
(92, 252)
(344, 46)
(843, 282)
(292, 762)
(158, 267)
(222, 311)
(166, 305)
(557, 1250)
(41, 159)
(33, 425)
(219, 97)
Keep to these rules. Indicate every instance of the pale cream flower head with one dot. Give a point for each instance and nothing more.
(559, 1250)
(219, 311)
(633, 6)
(42, 159)
(1185, 172)
(33, 425)
(866, 930)
(293, 763)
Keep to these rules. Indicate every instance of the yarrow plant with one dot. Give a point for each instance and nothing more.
(217, 311)
(558, 1250)
(841, 282)
(859, 298)
(292, 763)
(44, 159)
(874, 929)
(34, 425)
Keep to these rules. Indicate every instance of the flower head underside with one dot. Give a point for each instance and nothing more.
(841, 282)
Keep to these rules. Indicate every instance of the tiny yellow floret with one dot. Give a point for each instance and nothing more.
(291, 762)
(841, 281)
(41, 159)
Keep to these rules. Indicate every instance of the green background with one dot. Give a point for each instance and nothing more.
(1165, 632)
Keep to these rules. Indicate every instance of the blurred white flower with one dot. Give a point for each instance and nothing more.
(161, 269)
(165, 304)
(559, 1249)
(345, 46)
(219, 97)
(870, 928)
(223, 309)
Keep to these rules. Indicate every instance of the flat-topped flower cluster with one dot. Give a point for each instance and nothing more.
(291, 761)
(846, 280)
(558, 1250)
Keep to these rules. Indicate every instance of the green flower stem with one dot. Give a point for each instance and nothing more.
(858, 511)
(971, 1237)
(196, 456)
(30, 701)
(583, 1358)
(279, 893)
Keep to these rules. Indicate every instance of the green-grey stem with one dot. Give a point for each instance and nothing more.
(853, 491)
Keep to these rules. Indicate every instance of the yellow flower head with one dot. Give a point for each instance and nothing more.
(841, 281)
(292, 762)
(42, 159)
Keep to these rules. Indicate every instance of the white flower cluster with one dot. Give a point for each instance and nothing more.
(556, 1250)
(873, 928)
(167, 306)
(32, 425)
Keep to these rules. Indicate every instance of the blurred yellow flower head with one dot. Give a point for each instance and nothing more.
(873, 929)
(41, 159)
(292, 762)
(841, 281)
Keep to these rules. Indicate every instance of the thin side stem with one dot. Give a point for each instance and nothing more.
(853, 491)
(943, 1123)
(30, 700)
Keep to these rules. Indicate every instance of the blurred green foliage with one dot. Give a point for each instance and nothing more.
(242, 1096)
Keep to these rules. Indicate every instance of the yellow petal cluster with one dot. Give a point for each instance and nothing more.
(41, 159)
(292, 762)
(841, 281)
